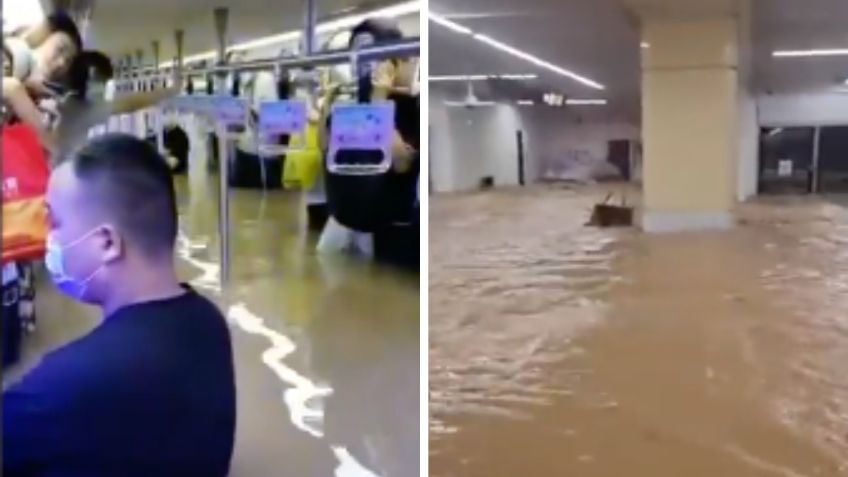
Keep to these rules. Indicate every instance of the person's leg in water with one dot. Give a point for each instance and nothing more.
(336, 238)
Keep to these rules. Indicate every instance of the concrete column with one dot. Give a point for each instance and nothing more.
(690, 109)
(748, 131)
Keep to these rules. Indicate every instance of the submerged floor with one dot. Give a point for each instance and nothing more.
(559, 349)
(327, 351)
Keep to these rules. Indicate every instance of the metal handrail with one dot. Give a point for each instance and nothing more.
(404, 48)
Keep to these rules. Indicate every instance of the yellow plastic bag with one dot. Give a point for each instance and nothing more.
(303, 161)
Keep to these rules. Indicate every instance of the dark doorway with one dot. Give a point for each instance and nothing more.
(786, 160)
(619, 156)
(519, 139)
(833, 160)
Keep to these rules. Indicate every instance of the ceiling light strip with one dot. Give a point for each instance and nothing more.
(462, 104)
(810, 53)
(456, 27)
(585, 102)
(392, 11)
(508, 77)
(440, 20)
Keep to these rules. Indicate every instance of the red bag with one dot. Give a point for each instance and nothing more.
(25, 175)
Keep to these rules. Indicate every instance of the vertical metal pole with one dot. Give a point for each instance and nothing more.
(221, 21)
(155, 47)
(179, 37)
(128, 63)
(309, 20)
(142, 117)
(159, 82)
(136, 87)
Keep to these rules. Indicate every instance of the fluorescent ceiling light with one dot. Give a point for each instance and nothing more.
(440, 78)
(515, 51)
(349, 21)
(517, 77)
(456, 27)
(462, 104)
(526, 102)
(459, 78)
(810, 53)
(537, 61)
(585, 102)
(392, 11)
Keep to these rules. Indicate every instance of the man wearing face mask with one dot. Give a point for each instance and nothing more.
(151, 390)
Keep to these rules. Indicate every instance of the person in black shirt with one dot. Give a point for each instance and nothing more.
(385, 205)
(149, 392)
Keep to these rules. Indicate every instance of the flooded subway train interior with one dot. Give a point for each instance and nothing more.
(705, 338)
(305, 240)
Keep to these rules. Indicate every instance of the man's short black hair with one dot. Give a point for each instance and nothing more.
(61, 22)
(134, 185)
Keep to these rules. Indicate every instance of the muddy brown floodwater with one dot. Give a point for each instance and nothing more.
(563, 350)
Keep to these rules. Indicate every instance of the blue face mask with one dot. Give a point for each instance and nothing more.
(55, 262)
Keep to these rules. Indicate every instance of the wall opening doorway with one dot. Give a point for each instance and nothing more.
(803, 160)
(833, 160)
(786, 160)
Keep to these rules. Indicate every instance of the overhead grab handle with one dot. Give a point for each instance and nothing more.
(361, 139)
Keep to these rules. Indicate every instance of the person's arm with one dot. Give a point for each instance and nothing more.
(16, 96)
(382, 80)
(403, 155)
(138, 101)
(324, 115)
(34, 35)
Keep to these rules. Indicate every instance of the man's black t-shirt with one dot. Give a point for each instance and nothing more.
(150, 392)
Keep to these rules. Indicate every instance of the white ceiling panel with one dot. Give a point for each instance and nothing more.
(600, 39)
(123, 26)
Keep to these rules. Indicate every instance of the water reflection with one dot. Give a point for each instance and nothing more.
(558, 349)
(327, 347)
